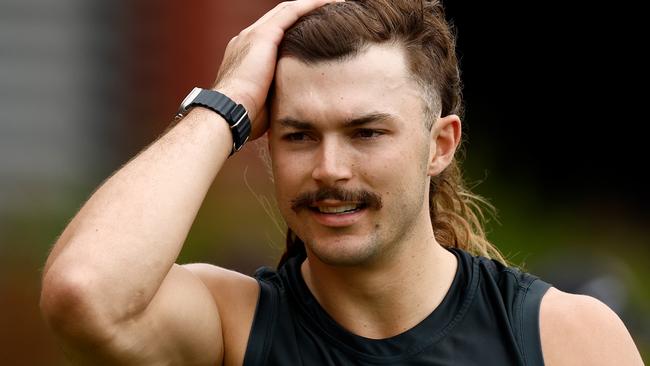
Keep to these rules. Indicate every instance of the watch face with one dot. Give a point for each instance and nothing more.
(189, 98)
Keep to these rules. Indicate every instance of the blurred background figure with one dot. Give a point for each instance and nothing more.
(550, 131)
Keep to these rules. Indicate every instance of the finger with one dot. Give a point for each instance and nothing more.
(264, 18)
(268, 15)
(285, 14)
(311, 5)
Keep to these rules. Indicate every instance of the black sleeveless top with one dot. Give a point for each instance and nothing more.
(490, 316)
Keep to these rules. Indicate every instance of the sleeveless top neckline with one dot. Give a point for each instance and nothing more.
(430, 330)
(490, 314)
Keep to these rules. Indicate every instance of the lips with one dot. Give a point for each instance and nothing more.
(337, 209)
(337, 214)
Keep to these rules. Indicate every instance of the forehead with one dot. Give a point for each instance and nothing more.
(375, 80)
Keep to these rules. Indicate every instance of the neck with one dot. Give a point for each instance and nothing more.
(391, 295)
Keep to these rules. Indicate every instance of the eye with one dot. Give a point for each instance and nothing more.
(296, 137)
(366, 133)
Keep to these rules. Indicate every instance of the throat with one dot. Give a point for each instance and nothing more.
(384, 304)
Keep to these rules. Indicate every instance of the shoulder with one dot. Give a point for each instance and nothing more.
(581, 330)
(235, 295)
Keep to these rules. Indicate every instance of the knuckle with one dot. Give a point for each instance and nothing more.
(250, 33)
(244, 32)
(255, 33)
(285, 4)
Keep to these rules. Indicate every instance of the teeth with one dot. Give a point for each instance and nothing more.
(338, 209)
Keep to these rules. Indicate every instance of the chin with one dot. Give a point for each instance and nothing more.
(347, 250)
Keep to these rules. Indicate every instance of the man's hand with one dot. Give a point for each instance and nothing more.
(249, 62)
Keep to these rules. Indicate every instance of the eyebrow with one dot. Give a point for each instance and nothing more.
(349, 123)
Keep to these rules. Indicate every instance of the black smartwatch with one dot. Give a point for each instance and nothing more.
(235, 114)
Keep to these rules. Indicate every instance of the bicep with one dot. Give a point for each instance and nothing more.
(180, 326)
(581, 330)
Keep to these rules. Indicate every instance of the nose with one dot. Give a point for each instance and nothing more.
(332, 163)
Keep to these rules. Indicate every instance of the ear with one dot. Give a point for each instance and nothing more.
(445, 138)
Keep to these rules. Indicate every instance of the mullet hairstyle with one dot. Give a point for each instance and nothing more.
(340, 31)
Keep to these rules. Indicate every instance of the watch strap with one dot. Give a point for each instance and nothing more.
(235, 114)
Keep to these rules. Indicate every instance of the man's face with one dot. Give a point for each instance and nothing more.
(350, 154)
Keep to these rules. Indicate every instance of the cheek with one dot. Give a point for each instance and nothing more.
(400, 172)
(287, 177)
(281, 178)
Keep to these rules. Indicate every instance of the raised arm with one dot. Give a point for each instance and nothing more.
(111, 291)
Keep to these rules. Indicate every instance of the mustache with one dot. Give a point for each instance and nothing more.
(365, 198)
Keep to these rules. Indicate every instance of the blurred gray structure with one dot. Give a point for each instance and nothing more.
(58, 82)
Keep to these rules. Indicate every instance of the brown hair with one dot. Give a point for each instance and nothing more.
(341, 30)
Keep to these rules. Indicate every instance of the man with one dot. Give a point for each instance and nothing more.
(363, 128)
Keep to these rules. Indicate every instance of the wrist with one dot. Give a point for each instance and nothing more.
(230, 110)
(240, 98)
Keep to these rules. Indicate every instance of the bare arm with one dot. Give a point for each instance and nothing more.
(111, 291)
(580, 330)
(111, 260)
